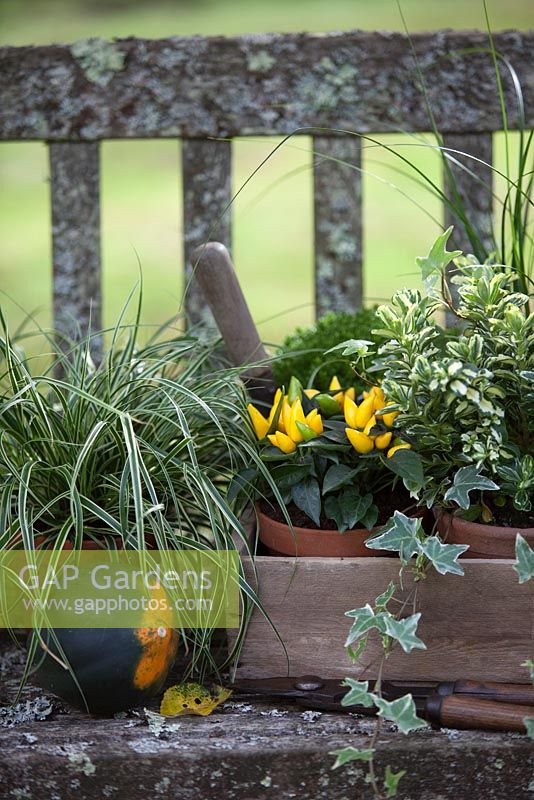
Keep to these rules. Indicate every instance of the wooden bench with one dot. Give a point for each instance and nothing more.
(204, 92)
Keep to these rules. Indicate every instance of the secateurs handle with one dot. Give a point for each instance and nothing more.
(464, 711)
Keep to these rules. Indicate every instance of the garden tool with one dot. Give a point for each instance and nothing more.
(216, 276)
(452, 704)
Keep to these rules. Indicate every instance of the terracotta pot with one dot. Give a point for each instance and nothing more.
(281, 541)
(485, 541)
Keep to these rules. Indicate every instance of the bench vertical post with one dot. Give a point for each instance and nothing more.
(207, 192)
(75, 203)
(338, 223)
(475, 191)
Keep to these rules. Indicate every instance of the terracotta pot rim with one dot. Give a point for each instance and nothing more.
(318, 531)
(502, 531)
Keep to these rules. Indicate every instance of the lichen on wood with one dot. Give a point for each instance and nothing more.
(265, 84)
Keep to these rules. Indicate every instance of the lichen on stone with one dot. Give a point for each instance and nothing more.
(99, 59)
(82, 763)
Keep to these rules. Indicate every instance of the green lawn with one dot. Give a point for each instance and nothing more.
(141, 205)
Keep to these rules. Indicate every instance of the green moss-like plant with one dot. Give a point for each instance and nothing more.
(303, 352)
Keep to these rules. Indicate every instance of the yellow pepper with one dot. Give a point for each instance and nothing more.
(364, 412)
(390, 418)
(379, 399)
(393, 450)
(283, 442)
(359, 440)
(276, 401)
(334, 384)
(382, 440)
(315, 422)
(260, 424)
(285, 415)
(350, 410)
(369, 427)
(296, 414)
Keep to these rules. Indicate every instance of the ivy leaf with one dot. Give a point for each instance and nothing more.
(337, 476)
(365, 620)
(383, 599)
(391, 781)
(354, 654)
(529, 664)
(524, 559)
(350, 754)
(307, 496)
(529, 725)
(438, 258)
(466, 480)
(358, 694)
(402, 712)
(400, 534)
(403, 631)
(443, 556)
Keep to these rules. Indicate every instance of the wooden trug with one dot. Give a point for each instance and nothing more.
(479, 626)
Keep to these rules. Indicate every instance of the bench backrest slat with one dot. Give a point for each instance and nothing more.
(208, 90)
(207, 192)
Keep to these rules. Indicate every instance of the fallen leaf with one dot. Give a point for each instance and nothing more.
(192, 698)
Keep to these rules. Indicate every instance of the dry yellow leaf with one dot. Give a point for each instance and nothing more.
(192, 698)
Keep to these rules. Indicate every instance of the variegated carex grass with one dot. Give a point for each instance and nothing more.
(137, 450)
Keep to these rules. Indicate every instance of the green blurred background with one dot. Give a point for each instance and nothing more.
(273, 228)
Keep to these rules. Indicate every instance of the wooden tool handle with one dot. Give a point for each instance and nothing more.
(520, 693)
(215, 274)
(457, 711)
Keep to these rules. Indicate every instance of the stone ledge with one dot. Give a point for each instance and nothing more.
(246, 751)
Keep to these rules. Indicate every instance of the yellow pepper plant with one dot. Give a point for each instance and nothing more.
(330, 453)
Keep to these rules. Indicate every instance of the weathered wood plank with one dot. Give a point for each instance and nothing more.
(268, 84)
(75, 202)
(207, 190)
(338, 223)
(474, 191)
(477, 626)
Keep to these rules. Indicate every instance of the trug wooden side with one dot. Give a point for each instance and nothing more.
(477, 626)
